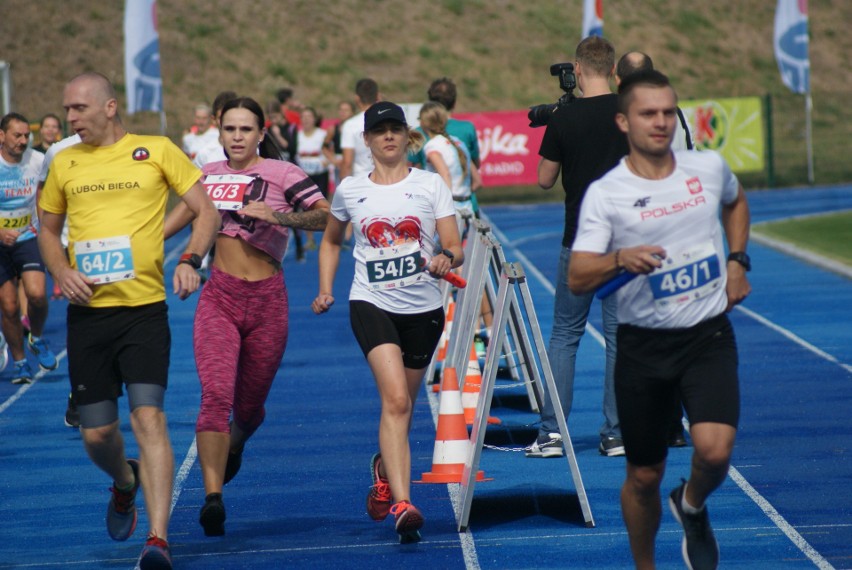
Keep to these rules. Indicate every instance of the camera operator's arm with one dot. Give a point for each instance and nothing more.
(548, 172)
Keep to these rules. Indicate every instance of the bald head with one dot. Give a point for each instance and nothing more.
(96, 84)
(91, 106)
(632, 62)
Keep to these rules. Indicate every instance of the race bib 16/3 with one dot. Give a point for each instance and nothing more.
(227, 190)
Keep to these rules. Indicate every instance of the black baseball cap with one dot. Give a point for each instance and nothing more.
(383, 111)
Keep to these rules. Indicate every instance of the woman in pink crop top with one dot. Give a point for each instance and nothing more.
(241, 322)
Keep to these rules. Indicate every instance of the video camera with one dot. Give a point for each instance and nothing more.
(540, 114)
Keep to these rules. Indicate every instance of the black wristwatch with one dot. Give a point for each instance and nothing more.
(191, 259)
(742, 258)
(449, 254)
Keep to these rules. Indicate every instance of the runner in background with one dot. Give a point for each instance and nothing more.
(20, 258)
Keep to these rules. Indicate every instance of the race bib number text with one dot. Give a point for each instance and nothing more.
(686, 276)
(395, 266)
(105, 260)
(15, 219)
(227, 190)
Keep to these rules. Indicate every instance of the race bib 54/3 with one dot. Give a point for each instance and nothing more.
(394, 266)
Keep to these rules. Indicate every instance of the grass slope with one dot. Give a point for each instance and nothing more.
(498, 51)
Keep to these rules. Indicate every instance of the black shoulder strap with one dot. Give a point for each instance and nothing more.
(685, 129)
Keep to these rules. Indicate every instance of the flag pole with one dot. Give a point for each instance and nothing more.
(809, 105)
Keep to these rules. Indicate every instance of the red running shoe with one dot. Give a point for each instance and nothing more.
(379, 497)
(155, 554)
(409, 521)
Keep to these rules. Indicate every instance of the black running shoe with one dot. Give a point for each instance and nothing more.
(213, 515)
(699, 547)
(72, 414)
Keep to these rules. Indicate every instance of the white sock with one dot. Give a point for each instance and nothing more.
(687, 508)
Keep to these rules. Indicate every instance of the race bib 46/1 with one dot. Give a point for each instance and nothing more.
(686, 276)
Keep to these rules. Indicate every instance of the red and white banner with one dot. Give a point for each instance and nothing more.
(508, 147)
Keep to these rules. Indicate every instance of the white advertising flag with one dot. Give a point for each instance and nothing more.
(791, 44)
(142, 57)
(592, 18)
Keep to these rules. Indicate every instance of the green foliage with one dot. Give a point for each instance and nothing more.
(203, 29)
(454, 6)
(69, 29)
(280, 71)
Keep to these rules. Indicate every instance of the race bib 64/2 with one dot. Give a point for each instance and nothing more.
(105, 260)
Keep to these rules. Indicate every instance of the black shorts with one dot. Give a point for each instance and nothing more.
(115, 345)
(417, 335)
(654, 367)
(20, 257)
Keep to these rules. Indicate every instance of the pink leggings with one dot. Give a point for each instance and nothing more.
(239, 338)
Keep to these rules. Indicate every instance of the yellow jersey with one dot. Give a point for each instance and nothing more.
(115, 201)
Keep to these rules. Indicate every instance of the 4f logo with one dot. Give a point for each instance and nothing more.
(642, 202)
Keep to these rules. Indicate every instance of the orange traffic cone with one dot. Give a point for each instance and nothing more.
(472, 389)
(452, 443)
(444, 342)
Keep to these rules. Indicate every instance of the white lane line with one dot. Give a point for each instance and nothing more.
(468, 546)
(792, 336)
(807, 256)
(779, 521)
(183, 473)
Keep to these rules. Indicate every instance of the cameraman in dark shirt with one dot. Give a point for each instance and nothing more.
(582, 141)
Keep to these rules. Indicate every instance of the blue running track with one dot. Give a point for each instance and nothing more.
(299, 500)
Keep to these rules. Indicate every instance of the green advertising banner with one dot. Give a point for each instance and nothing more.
(732, 126)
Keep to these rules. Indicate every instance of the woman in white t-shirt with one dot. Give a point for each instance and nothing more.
(447, 156)
(314, 157)
(396, 309)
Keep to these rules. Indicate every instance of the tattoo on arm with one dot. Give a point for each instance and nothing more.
(310, 220)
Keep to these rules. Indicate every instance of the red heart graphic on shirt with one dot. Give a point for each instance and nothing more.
(381, 233)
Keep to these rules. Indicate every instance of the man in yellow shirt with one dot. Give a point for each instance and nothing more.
(113, 187)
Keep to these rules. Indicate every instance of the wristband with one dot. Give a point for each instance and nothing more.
(742, 258)
(449, 254)
(191, 259)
